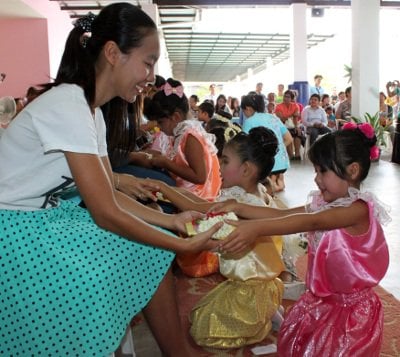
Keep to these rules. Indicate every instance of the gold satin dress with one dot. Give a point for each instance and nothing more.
(238, 311)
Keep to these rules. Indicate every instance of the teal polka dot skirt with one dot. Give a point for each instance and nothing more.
(67, 287)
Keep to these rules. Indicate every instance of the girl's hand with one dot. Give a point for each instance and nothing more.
(241, 239)
(230, 205)
(135, 187)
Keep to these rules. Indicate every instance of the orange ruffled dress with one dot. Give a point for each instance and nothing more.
(203, 263)
(209, 190)
(340, 314)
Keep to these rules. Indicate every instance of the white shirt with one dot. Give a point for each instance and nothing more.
(311, 116)
(32, 160)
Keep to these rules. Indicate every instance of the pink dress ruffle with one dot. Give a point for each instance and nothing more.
(340, 314)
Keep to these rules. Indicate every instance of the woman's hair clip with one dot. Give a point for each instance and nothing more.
(85, 22)
(168, 90)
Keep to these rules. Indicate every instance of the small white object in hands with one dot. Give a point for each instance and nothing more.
(224, 231)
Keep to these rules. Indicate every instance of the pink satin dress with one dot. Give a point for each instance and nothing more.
(340, 314)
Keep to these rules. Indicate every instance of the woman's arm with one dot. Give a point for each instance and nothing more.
(354, 218)
(195, 171)
(183, 201)
(116, 212)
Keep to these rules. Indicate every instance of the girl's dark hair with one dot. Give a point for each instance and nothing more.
(254, 101)
(217, 107)
(224, 114)
(315, 95)
(219, 132)
(335, 151)
(208, 108)
(195, 97)
(223, 130)
(163, 105)
(259, 146)
(159, 81)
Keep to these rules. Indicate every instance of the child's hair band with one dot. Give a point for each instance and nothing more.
(369, 132)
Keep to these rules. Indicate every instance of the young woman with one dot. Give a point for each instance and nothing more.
(72, 279)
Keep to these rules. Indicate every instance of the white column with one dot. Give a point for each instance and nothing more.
(365, 57)
(298, 42)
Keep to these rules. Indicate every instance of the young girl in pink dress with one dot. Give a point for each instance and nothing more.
(191, 158)
(339, 314)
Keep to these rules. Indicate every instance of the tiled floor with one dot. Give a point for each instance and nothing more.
(383, 180)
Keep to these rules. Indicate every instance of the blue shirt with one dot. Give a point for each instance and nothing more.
(274, 123)
(316, 90)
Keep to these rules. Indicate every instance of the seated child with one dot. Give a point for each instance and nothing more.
(169, 107)
(252, 284)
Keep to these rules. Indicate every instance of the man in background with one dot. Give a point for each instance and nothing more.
(317, 89)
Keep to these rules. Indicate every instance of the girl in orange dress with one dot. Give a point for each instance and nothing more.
(192, 157)
(191, 160)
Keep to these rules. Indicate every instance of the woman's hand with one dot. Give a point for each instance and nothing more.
(179, 220)
(141, 158)
(203, 241)
(160, 161)
(135, 187)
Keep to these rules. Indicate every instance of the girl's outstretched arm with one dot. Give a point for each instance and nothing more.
(247, 211)
(353, 218)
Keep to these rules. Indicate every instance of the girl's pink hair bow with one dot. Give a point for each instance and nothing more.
(168, 90)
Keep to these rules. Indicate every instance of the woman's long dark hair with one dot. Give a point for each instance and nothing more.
(125, 24)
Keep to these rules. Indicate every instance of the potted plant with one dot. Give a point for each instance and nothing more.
(348, 73)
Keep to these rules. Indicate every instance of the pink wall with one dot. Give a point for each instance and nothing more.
(24, 55)
(59, 25)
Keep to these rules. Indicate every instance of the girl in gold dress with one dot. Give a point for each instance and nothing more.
(239, 310)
